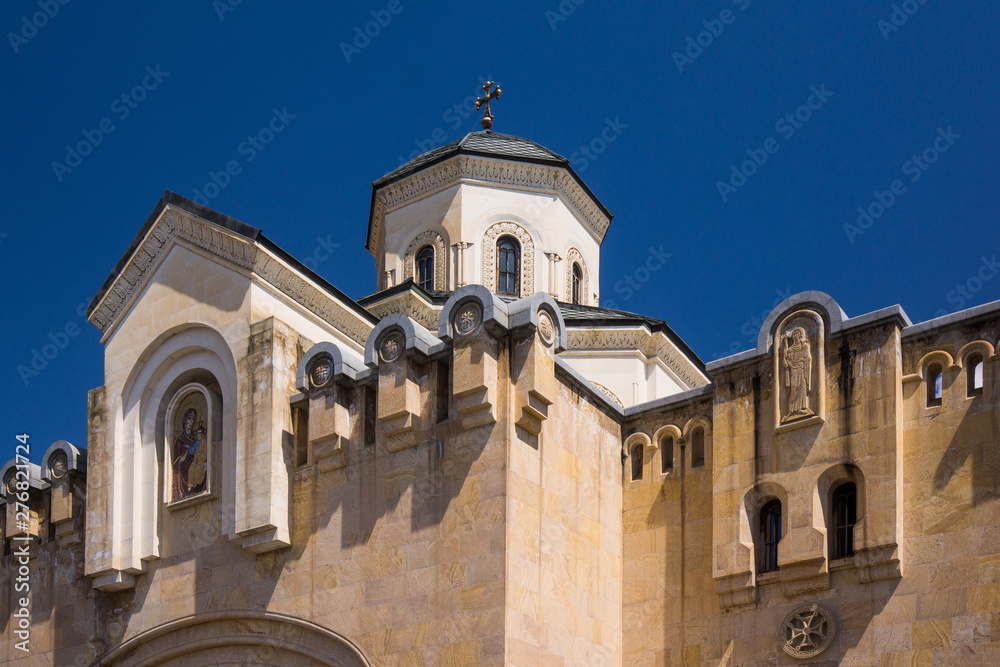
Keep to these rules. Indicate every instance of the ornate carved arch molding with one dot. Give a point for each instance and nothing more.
(573, 256)
(235, 637)
(436, 241)
(493, 233)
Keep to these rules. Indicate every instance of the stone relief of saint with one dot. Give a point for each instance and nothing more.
(190, 457)
(798, 374)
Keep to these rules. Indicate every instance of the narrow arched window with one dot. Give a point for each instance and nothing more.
(667, 454)
(577, 284)
(425, 267)
(698, 447)
(844, 504)
(770, 535)
(935, 385)
(974, 375)
(508, 266)
(636, 456)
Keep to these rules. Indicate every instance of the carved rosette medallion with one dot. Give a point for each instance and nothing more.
(468, 319)
(392, 347)
(546, 329)
(807, 631)
(58, 465)
(10, 484)
(321, 372)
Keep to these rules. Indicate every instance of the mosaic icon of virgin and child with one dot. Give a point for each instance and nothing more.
(190, 456)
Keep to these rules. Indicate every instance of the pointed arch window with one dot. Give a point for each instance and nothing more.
(577, 284)
(425, 268)
(770, 535)
(845, 515)
(508, 266)
(974, 375)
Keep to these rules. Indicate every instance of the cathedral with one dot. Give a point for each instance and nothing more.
(478, 464)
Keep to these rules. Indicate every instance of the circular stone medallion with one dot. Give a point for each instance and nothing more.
(468, 319)
(57, 465)
(392, 347)
(10, 484)
(807, 631)
(546, 330)
(321, 372)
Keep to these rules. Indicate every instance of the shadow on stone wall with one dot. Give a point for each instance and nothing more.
(976, 440)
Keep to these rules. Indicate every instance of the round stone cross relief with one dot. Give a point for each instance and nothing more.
(468, 319)
(57, 465)
(321, 372)
(807, 631)
(392, 347)
(546, 330)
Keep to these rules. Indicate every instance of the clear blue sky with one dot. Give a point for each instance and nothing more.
(211, 74)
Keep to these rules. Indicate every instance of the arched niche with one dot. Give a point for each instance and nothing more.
(236, 637)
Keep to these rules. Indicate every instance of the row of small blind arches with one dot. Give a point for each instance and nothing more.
(973, 383)
(667, 454)
(508, 269)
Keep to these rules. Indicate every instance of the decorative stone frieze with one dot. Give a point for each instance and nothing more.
(641, 340)
(177, 225)
(463, 168)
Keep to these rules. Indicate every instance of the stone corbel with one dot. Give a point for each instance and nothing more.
(12, 475)
(878, 563)
(736, 590)
(394, 349)
(472, 320)
(61, 462)
(539, 333)
(326, 375)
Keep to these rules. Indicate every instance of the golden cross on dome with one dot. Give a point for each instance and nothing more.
(487, 121)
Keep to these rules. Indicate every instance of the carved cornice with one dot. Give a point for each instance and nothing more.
(640, 340)
(175, 225)
(573, 256)
(436, 241)
(409, 305)
(527, 283)
(464, 168)
(171, 226)
(307, 295)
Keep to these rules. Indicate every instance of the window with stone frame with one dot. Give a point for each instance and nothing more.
(425, 268)
(698, 447)
(844, 516)
(636, 456)
(974, 368)
(769, 534)
(508, 266)
(577, 295)
(935, 385)
(667, 454)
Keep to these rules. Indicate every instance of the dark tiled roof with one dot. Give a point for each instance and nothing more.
(573, 314)
(483, 142)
